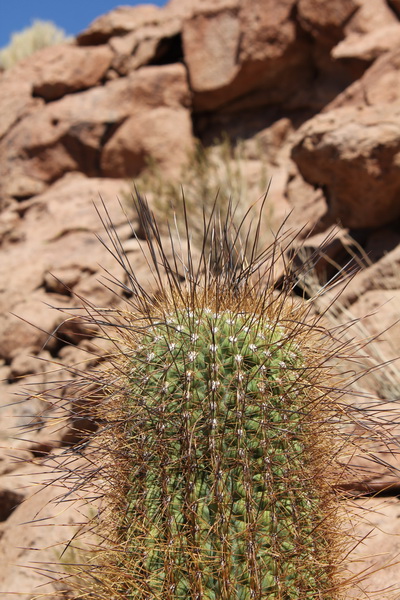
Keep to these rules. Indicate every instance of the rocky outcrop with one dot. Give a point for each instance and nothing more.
(379, 85)
(352, 153)
(310, 87)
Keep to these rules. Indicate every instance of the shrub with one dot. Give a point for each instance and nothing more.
(24, 43)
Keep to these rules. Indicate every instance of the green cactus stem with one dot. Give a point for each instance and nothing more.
(224, 500)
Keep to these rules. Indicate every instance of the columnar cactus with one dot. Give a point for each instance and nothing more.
(219, 432)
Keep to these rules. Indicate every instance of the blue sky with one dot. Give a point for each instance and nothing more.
(71, 15)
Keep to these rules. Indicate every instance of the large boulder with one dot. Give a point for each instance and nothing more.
(353, 155)
(64, 69)
(247, 53)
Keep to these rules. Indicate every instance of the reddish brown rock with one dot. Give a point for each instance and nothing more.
(67, 135)
(158, 43)
(383, 275)
(395, 6)
(30, 326)
(63, 69)
(119, 21)
(211, 46)
(353, 155)
(162, 135)
(238, 49)
(325, 20)
(386, 327)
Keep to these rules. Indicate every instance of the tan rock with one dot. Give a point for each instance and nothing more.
(29, 547)
(353, 154)
(63, 69)
(370, 46)
(370, 16)
(119, 21)
(325, 20)
(24, 187)
(15, 99)
(32, 327)
(383, 275)
(163, 135)
(67, 134)
(63, 280)
(376, 522)
(380, 84)
(57, 233)
(379, 311)
(25, 364)
(131, 53)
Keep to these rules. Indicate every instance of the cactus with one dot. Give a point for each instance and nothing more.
(224, 501)
(219, 441)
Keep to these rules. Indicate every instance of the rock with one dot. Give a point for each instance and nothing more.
(384, 275)
(386, 328)
(119, 21)
(395, 6)
(150, 44)
(379, 85)
(370, 46)
(9, 501)
(306, 205)
(57, 233)
(211, 48)
(15, 99)
(247, 53)
(163, 136)
(370, 16)
(64, 69)
(380, 242)
(29, 547)
(24, 187)
(24, 364)
(63, 281)
(376, 522)
(325, 20)
(67, 135)
(353, 155)
(31, 326)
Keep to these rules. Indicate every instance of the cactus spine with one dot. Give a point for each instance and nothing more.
(218, 433)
